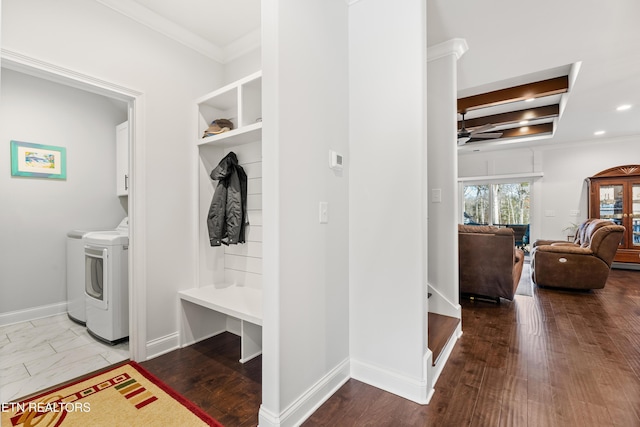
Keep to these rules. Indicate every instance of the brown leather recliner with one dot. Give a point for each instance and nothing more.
(489, 263)
(583, 264)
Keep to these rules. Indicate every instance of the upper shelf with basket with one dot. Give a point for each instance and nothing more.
(240, 102)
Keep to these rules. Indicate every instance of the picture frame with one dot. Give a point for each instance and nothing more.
(38, 160)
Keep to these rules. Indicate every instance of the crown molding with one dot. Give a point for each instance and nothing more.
(455, 47)
(162, 25)
(243, 45)
(25, 64)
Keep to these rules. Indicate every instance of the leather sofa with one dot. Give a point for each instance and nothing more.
(489, 263)
(582, 264)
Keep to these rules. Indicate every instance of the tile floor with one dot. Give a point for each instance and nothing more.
(44, 352)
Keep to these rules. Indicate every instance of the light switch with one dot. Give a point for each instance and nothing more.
(550, 213)
(436, 195)
(574, 212)
(324, 212)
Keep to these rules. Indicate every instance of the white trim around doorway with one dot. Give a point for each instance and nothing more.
(137, 249)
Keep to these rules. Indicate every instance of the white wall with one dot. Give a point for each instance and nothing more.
(241, 67)
(387, 187)
(305, 277)
(90, 38)
(563, 187)
(37, 213)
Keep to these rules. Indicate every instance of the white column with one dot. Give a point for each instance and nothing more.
(442, 176)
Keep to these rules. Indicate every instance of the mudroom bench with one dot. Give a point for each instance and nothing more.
(210, 310)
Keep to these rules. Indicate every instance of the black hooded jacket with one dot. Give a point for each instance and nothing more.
(228, 212)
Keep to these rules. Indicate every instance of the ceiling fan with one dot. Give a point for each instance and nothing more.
(465, 135)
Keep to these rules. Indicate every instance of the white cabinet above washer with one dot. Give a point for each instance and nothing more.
(122, 159)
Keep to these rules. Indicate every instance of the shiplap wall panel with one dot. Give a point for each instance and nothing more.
(254, 186)
(250, 249)
(255, 233)
(255, 217)
(254, 202)
(243, 278)
(253, 169)
(243, 262)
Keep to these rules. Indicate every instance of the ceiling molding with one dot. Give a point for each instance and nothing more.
(243, 45)
(579, 144)
(456, 47)
(538, 89)
(509, 176)
(162, 25)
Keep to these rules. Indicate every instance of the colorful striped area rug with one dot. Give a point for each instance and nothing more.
(126, 395)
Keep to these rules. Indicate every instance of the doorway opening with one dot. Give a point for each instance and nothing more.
(131, 102)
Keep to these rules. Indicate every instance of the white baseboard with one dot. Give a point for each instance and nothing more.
(296, 413)
(163, 345)
(171, 342)
(414, 389)
(32, 313)
(625, 266)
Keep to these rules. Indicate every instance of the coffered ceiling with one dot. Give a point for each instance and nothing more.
(524, 111)
(593, 43)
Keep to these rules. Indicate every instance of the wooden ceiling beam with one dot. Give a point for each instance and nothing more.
(517, 93)
(527, 130)
(510, 117)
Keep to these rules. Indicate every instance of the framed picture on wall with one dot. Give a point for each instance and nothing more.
(38, 161)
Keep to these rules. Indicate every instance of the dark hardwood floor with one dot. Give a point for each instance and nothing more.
(558, 358)
(208, 373)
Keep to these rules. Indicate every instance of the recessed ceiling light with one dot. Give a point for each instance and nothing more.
(524, 128)
(524, 122)
(529, 99)
(624, 107)
(599, 132)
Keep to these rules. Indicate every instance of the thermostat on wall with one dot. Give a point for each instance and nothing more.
(336, 160)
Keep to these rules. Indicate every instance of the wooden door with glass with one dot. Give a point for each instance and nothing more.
(614, 194)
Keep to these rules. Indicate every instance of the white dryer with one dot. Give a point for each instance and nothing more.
(107, 283)
(75, 275)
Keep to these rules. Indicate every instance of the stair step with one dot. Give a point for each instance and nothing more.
(441, 329)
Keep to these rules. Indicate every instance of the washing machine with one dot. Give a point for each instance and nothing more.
(107, 283)
(75, 275)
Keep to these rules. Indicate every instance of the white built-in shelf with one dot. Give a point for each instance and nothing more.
(244, 303)
(240, 102)
(240, 136)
